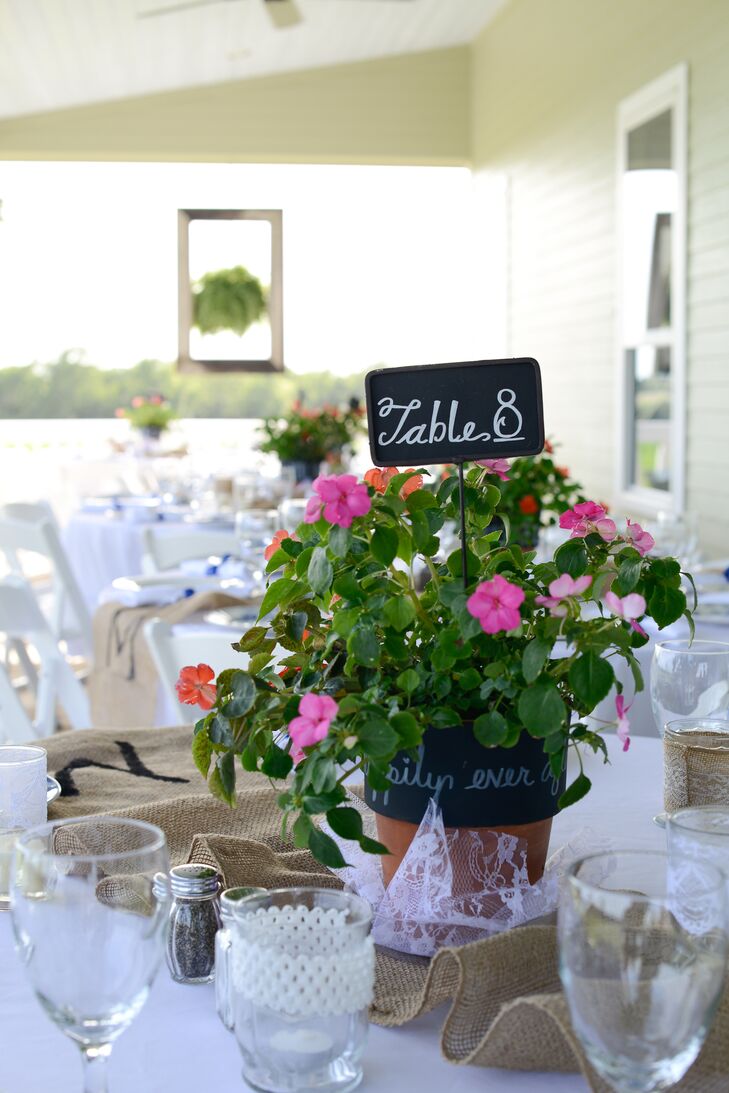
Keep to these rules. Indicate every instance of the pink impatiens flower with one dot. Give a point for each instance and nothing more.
(496, 466)
(561, 591)
(642, 540)
(586, 518)
(623, 724)
(629, 608)
(496, 604)
(316, 713)
(339, 498)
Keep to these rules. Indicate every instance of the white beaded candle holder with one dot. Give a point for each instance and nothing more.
(303, 979)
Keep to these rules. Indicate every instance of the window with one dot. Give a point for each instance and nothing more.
(651, 302)
(230, 290)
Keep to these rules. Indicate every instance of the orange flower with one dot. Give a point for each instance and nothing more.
(194, 687)
(412, 484)
(528, 505)
(548, 447)
(379, 477)
(275, 543)
(563, 472)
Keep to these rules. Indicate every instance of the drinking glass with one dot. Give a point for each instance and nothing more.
(689, 679)
(90, 926)
(701, 833)
(23, 802)
(303, 965)
(643, 947)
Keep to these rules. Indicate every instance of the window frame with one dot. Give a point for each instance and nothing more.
(668, 92)
(187, 363)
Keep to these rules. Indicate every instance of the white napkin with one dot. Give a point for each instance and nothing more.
(212, 567)
(133, 596)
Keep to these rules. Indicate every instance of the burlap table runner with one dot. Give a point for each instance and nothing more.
(123, 682)
(507, 1008)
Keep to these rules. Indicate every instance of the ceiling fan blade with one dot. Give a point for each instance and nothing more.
(171, 9)
(283, 13)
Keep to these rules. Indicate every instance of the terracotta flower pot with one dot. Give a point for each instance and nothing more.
(397, 835)
(510, 790)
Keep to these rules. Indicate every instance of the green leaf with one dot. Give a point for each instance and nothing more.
(384, 544)
(202, 752)
(276, 592)
(591, 678)
(408, 681)
(339, 541)
(302, 562)
(575, 791)
(345, 822)
(251, 639)
(420, 499)
(276, 763)
(221, 731)
(301, 831)
(258, 663)
(399, 612)
(571, 557)
(470, 679)
(237, 691)
(249, 759)
(371, 846)
(535, 656)
(541, 709)
(442, 717)
(325, 850)
(378, 738)
(347, 586)
(407, 728)
(320, 572)
(364, 647)
(629, 570)
(666, 604)
(222, 781)
(490, 729)
(324, 801)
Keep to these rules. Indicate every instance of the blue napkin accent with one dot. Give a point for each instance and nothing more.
(212, 569)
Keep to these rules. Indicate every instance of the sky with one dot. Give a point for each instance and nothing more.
(382, 265)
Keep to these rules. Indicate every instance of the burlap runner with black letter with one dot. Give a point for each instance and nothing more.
(507, 1007)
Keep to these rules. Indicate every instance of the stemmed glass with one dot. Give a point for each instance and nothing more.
(689, 679)
(643, 947)
(90, 926)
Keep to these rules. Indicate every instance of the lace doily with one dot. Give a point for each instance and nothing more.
(419, 913)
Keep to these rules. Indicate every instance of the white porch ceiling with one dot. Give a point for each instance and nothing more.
(59, 53)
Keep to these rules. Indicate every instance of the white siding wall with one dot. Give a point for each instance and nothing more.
(547, 78)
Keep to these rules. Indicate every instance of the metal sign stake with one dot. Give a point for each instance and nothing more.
(464, 552)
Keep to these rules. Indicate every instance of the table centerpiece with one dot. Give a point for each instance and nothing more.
(473, 690)
(304, 438)
(150, 414)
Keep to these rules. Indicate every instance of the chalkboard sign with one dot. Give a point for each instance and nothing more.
(450, 413)
(474, 786)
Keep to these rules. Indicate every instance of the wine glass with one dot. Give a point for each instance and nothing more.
(689, 679)
(90, 926)
(643, 947)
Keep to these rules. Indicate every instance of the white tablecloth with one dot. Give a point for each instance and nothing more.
(102, 548)
(178, 1045)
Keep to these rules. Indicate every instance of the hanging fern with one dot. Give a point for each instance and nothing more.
(228, 299)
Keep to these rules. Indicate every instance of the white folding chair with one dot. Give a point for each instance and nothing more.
(167, 550)
(22, 622)
(173, 649)
(42, 537)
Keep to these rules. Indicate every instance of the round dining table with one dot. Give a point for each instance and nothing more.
(177, 1044)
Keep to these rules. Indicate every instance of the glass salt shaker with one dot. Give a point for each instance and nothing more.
(223, 941)
(194, 922)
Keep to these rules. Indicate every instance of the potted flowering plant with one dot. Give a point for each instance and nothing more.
(150, 414)
(304, 438)
(473, 691)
